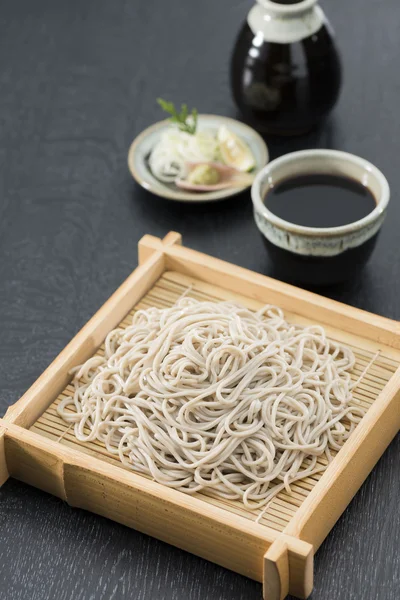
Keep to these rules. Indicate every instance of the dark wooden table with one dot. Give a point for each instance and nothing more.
(78, 81)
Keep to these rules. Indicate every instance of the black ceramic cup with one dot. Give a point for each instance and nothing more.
(311, 255)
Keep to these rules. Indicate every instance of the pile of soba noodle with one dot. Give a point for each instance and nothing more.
(216, 398)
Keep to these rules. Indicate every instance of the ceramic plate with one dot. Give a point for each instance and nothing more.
(143, 144)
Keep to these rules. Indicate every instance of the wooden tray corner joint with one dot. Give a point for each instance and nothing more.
(276, 547)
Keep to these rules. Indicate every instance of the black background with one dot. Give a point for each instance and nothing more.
(78, 81)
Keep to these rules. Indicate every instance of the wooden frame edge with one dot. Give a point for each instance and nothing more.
(151, 252)
(58, 463)
(150, 244)
(288, 569)
(32, 404)
(349, 469)
(185, 521)
(24, 438)
(276, 571)
(265, 289)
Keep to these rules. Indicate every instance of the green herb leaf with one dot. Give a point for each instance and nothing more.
(185, 121)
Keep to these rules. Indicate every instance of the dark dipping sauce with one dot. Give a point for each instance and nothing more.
(318, 200)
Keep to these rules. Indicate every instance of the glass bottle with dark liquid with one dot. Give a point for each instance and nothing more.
(285, 68)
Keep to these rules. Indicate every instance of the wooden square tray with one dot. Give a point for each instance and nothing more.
(276, 547)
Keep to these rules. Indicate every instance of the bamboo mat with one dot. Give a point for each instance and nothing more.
(373, 369)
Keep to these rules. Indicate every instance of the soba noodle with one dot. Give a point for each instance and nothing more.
(216, 398)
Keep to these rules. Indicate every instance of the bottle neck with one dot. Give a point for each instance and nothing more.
(285, 23)
(288, 8)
